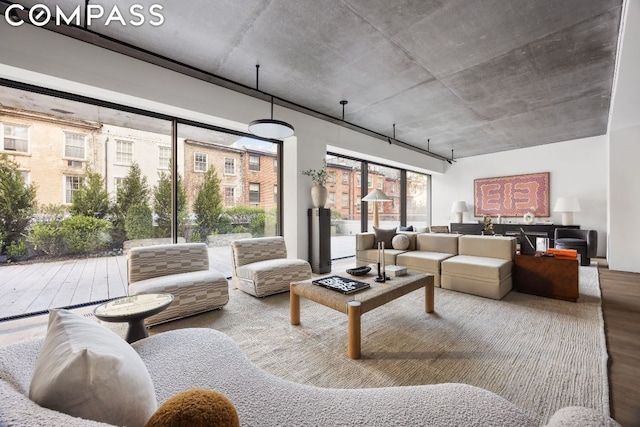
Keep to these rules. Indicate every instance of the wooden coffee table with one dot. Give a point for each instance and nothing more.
(133, 310)
(355, 305)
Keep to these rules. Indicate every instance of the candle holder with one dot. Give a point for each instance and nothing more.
(382, 277)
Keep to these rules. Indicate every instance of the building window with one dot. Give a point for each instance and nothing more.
(380, 182)
(345, 200)
(332, 178)
(200, 162)
(229, 166)
(229, 196)
(74, 145)
(275, 165)
(14, 138)
(369, 181)
(117, 184)
(71, 185)
(164, 157)
(275, 194)
(254, 193)
(124, 152)
(358, 180)
(26, 177)
(358, 204)
(332, 198)
(254, 163)
(345, 178)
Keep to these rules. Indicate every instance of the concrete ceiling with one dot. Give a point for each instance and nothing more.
(473, 76)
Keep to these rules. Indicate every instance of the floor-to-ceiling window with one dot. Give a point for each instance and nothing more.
(409, 202)
(82, 181)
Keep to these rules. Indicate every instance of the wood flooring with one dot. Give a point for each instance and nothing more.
(621, 309)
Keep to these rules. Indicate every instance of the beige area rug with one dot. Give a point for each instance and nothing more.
(539, 353)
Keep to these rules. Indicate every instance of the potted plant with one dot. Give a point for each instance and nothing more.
(319, 192)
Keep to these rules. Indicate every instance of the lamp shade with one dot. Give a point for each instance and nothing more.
(459, 206)
(567, 204)
(376, 196)
(270, 128)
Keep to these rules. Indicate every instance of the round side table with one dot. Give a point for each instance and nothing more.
(133, 310)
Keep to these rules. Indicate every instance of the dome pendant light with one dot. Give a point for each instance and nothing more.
(270, 128)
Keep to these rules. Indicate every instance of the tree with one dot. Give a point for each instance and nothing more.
(91, 199)
(17, 201)
(133, 191)
(139, 222)
(162, 202)
(208, 204)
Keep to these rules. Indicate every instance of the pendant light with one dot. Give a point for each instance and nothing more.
(270, 128)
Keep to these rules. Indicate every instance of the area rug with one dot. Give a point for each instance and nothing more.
(539, 353)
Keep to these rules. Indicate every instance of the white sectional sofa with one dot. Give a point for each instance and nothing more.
(479, 265)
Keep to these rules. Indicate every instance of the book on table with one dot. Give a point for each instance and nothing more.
(341, 284)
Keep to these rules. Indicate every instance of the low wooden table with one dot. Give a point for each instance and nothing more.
(356, 304)
(133, 310)
(546, 276)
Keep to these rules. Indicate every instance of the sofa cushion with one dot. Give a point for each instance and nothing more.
(421, 261)
(88, 371)
(488, 246)
(477, 267)
(384, 235)
(400, 242)
(436, 242)
(407, 228)
(275, 270)
(370, 256)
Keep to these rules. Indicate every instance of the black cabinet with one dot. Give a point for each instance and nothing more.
(511, 229)
(320, 240)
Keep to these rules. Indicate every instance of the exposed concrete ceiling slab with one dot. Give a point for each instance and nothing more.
(474, 76)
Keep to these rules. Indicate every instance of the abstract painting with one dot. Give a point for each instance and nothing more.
(512, 195)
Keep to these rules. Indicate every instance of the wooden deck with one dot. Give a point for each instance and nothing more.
(35, 288)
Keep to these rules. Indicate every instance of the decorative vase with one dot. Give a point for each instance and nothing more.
(319, 195)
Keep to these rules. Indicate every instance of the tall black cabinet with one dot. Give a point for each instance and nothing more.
(320, 240)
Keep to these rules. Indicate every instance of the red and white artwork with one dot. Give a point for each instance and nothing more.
(512, 195)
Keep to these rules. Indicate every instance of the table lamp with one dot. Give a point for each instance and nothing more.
(376, 196)
(567, 205)
(459, 208)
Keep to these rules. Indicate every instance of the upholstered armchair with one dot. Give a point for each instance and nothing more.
(583, 241)
(261, 266)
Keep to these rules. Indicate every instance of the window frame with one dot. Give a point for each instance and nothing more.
(162, 160)
(3, 137)
(196, 162)
(66, 156)
(233, 165)
(252, 193)
(66, 190)
(251, 164)
(229, 200)
(128, 142)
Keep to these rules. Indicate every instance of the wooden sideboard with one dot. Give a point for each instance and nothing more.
(510, 229)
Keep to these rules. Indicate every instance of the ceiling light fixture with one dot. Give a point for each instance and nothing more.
(343, 103)
(451, 161)
(270, 128)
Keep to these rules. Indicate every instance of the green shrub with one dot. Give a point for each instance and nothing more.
(47, 238)
(139, 222)
(84, 234)
(195, 236)
(16, 250)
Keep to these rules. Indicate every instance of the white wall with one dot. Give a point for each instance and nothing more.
(624, 150)
(576, 168)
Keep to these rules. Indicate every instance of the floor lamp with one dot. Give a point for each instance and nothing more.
(376, 196)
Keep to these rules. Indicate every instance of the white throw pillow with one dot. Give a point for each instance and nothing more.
(88, 371)
(400, 242)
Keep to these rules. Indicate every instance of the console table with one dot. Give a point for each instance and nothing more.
(510, 229)
(546, 276)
